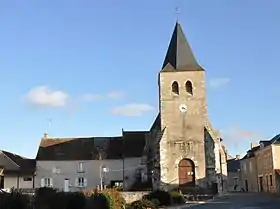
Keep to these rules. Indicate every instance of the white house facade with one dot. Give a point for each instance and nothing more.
(74, 164)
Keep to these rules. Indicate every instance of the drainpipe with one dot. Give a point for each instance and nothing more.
(18, 180)
(123, 141)
(33, 183)
(221, 170)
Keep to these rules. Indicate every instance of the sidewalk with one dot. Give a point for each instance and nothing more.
(188, 204)
(194, 203)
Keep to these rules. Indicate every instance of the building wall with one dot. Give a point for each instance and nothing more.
(69, 170)
(234, 178)
(223, 161)
(265, 169)
(182, 128)
(249, 174)
(13, 181)
(276, 156)
(211, 157)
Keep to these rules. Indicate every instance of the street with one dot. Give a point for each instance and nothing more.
(242, 201)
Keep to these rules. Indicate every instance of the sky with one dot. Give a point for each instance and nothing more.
(89, 68)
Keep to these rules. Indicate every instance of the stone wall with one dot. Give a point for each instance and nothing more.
(133, 196)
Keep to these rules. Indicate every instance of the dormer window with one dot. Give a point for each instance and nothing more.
(81, 168)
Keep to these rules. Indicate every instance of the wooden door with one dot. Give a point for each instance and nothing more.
(186, 173)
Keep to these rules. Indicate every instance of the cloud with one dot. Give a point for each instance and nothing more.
(133, 109)
(44, 96)
(238, 139)
(111, 95)
(217, 83)
(237, 134)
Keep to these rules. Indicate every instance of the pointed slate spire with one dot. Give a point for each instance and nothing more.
(179, 54)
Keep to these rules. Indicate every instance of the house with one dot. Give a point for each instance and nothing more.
(234, 174)
(16, 171)
(268, 159)
(260, 167)
(72, 164)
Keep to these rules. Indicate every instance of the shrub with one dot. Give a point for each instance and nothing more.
(98, 201)
(177, 198)
(90, 192)
(75, 200)
(48, 198)
(51, 198)
(116, 200)
(163, 197)
(142, 204)
(156, 202)
(14, 200)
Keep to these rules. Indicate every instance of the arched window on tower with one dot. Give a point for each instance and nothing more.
(189, 88)
(175, 88)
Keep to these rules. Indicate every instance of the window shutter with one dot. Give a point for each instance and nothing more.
(85, 182)
(51, 182)
(77, 182)
(42, 182)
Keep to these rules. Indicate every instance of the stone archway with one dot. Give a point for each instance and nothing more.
(186, 172)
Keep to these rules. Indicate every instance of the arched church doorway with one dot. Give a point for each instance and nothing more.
(186, 173)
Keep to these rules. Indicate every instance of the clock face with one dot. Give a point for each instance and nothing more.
(183, 108)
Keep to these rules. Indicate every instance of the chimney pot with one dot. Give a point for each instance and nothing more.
(254, 144)
(46, 135)
(237, 157)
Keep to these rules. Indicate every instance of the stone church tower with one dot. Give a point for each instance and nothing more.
(183, 114)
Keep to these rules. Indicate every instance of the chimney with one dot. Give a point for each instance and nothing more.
(254, 144)
(237, 157)
(46, 135)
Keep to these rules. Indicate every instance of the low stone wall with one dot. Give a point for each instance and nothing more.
(133, 196)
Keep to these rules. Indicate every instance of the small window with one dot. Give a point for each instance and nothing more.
(175, 88)
(46, 182)
(270, 179)
(189, 87)
(56, 170)
(27, 179)
(81, 167)
(81, 182)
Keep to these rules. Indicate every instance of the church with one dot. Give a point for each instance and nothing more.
(181, 149)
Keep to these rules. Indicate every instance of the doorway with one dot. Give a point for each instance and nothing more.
(261, 183)
(186, 173)
(246, 185)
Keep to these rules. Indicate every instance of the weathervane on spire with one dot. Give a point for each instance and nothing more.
(177, 12)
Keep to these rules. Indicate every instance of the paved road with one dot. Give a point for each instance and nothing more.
(242, 201)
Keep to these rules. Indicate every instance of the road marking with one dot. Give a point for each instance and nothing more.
(251, 208)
